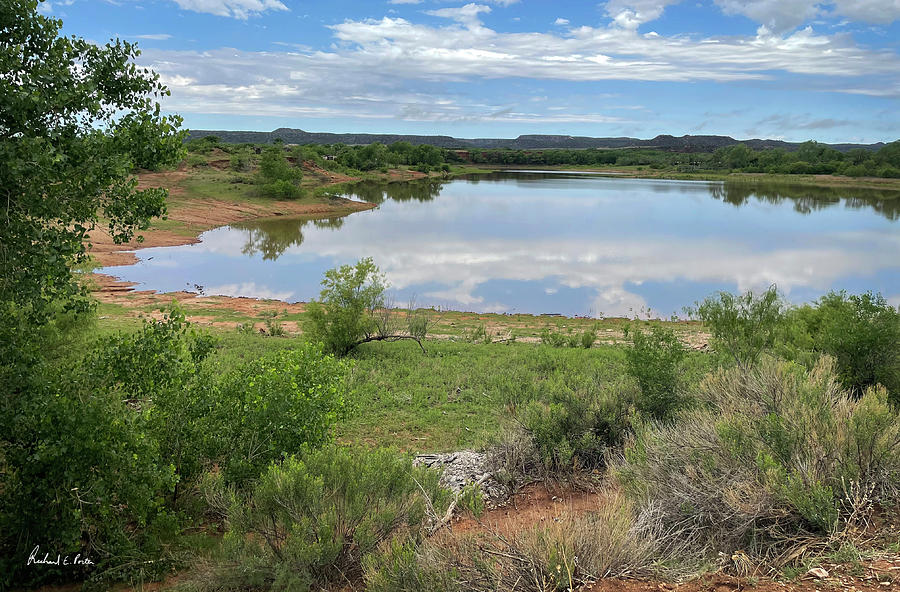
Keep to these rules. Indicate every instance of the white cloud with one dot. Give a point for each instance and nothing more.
(239, 9)
(777, 16)
(154, 36)
(630, 14)
(466, 15)
(392, 67)
(870, 11)
(248, 290)
(561, 22)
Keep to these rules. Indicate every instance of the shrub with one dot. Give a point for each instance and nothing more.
(607, 542)
(742, 326)
(276, 175)
(572, 428)
(274, 326)
(565, 554)
(477, 334)
(770, 460)
(862, 333)
(281, 189)
(272, 406)
(246, 328)
(588, 337)
(553, 338)
(159, 370)
(573, 339)
(162, 356)
(240, 161)
(311, 521)
(345, 311)
(654, 360)
(92, 448)
(402, 568)
(195, 161)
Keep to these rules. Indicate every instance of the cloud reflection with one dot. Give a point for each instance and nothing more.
(611, 238)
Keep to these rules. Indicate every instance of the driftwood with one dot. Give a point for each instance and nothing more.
(398, 337)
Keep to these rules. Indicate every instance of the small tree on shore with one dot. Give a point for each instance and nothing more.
(352, 310)
(742, 326)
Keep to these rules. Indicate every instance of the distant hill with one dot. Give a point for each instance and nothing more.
(528, 142)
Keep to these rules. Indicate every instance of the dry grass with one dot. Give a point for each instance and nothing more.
(777, 463)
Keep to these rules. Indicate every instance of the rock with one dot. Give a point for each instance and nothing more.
(462, 468)
(818, 573)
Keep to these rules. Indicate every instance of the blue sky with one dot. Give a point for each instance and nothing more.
(789, 69)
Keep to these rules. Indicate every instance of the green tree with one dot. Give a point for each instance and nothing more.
(70, 139)
(742, 326)
(351, 310)
(76, 120)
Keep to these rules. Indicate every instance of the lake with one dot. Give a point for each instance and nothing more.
(568, 243)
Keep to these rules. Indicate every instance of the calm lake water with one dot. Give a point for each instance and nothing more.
(574, 244)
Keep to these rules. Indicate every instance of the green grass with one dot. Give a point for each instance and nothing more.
(458, 395)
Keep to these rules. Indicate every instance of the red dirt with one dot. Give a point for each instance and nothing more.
(536, 505)
(533, 505)
(881, 575)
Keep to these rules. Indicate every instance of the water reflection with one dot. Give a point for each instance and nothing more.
(572, 244)
(271, 238)
(807, 200)
(379, 192)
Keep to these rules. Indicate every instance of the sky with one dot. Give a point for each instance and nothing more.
(782, 69)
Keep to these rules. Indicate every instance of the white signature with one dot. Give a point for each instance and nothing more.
(62, 560)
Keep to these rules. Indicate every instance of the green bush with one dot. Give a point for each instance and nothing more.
(742, 326)
(310, 522)
(572, 428)
(272, 406)
(862, 332)
(281, 189)
(565, 553)
(401, 568)
(161, 356)
(159, 371)
(345, 311)
(654, 360)
(196, 160)
(276, 176)
(574, 339)
(240, 161)
(86, 464)
(773, 455)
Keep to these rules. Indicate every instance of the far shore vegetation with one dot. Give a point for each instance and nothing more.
(810, 159)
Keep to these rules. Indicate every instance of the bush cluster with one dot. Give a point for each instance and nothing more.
(772, 453)
(312, 521)
(99, 446)
(276, 176)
